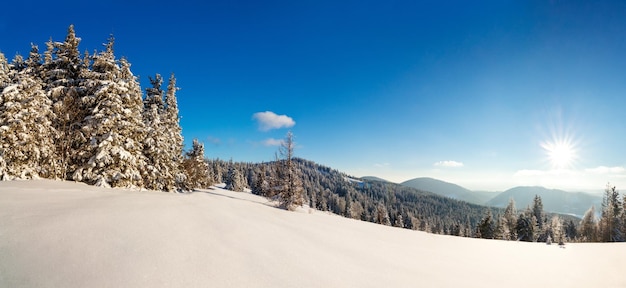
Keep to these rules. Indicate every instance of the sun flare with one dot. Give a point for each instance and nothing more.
(561, 153)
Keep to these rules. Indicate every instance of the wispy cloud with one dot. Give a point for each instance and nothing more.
(449, 164)
(382, 165)
(269, 120)
(214, 140)
(271, 142)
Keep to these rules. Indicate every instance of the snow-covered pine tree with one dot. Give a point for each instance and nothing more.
(261, 185)
(4, 72)
(556, 229)
(588, 229)
(526, 226)
(25, 128)
(233, 178)
(486, 227)
(4, 82)
(195, 167)
(157, 175)
(114, 154)
(173, 132)
(136, 133)
(62, 68)
(610, 225)
(510, 220)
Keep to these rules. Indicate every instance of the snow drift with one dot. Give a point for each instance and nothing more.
(64, 234)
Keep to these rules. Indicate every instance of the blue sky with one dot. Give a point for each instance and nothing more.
(469, 92)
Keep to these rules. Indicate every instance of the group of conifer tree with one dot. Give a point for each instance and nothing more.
(84, 118)
(533, 225)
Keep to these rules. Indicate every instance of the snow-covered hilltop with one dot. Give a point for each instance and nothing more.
(64, 234)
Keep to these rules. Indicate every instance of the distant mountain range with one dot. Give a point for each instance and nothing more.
(554, 200)
(449, 190)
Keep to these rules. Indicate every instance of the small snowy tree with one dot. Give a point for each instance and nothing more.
(261, 185)
(382, 215)
(525, 227)
(233, 178)
(588, 227)
(195, 167)
(486, 227)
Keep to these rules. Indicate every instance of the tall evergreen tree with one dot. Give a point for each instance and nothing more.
(114, 154)
(173, 130)
(63, 68)
(157, 174)
(25, 127)
(611, 219)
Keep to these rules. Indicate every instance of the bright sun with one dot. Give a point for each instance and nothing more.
(561, 153)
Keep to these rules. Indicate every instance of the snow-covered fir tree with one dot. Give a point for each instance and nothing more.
(157, 175)
(164, 142)
(70, 119)
(261, 185)
(25, 127)
(382, 215)
(173, 132)
(588, 229)
(486, 227)
(195, 167)
(233, 178)
(610, 225)
(112, 127)
(62, 75)
(4, 72)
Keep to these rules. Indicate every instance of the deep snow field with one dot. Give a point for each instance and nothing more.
(65, 234)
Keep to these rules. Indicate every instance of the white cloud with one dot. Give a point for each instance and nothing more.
(272, 142)
(449, 163)
(269, 120)
(382, 165)
(606, 170)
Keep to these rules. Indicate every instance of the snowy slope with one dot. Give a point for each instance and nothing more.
(62, 234)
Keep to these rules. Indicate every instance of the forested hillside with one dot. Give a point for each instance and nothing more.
(385, 203)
